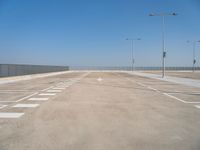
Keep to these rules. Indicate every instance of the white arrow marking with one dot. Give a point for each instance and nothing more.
(99, 79)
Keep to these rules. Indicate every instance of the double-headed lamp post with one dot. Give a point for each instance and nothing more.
(132, 55)
(163, 37)
(194, 54)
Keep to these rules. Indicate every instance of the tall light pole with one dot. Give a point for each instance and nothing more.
(163, 37)
(194, 54)
(132, 55)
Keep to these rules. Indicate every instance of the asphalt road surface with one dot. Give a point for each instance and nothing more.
(99, 111)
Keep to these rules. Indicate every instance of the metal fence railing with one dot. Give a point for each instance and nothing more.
(125, 68)
(15, 69)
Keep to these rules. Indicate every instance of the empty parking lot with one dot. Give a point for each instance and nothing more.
(99, 110)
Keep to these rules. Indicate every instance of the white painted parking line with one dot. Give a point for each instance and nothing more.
(54, 91)
(141, 84)
(175, 98)
(186, 102)
(47, 94)
(63, 86)
(192, 102)
(26, 97)
(38, 99)
(3, 106)
(59, 88)
(7, 101)
(26, 105)
(197, 106)
(21, 99)
(182, 92)
(167, 94)
(16, 90)
(68, 84)
(47, 88)
(61, 83)
(10, 115)
(149, 87)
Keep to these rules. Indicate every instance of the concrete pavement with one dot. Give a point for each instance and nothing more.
(5, 80)
(178, 80)
(99, 110)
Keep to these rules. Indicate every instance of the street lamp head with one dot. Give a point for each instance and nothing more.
(134, 39)
(163, 14)
(151, 14)
(174, 14)
(188, 41)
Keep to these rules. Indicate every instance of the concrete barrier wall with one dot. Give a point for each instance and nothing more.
(16, 70)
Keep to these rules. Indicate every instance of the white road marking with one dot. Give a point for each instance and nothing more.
(47, 88)
(197, 106)
(3, 106)
(38, 99)
(67, 84)
(26, 97)
(60, 84)
(47, 94)
(54, 91)
(186, 102)
(26, 105)
(192, 102)
(10, 115)
(99, 79)
(141, 84)
(175, 98)
(63, 86)
(59, 88)
(166, 94)
(182, 92)
(19, 99)
(15, 90)
(7, 101)
(153, 89)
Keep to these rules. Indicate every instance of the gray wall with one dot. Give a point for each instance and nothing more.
(16, 70)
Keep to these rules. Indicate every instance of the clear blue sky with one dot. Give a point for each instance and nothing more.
(93, 32)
